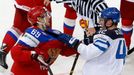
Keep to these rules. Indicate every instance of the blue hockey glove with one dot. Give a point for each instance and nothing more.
(69, 40)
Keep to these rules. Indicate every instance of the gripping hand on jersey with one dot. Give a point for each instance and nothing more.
(67, 39)
(39, 58)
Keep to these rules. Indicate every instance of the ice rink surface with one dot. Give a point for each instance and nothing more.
(63, 64)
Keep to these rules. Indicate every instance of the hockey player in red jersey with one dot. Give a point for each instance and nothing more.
(36, 46)
(127, 15)
(34, 43)
(19, 26)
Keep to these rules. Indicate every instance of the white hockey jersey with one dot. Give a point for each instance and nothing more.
(106, 55)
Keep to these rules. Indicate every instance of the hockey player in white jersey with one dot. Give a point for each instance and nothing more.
(106, 55)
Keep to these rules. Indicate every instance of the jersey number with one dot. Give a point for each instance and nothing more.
(121, 50)
(35, 33)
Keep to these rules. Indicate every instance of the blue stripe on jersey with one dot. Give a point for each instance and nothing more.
(119, 55)
(101, 48)
(107, 43)
(69, 27)
(126, 32)
(104, 40)
(23, 43)
(100, 43)
(39, 34)
(12, 35)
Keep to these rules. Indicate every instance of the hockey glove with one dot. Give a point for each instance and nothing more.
(40, 59)
(67, 39)
(49, 50)
(87, 39)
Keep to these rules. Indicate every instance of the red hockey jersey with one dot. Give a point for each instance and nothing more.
(32, 3)
(127, 9)
(25, 65)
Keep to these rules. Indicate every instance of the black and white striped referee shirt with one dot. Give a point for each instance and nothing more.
(89, 8)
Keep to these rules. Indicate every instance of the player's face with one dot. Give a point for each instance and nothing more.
(44, 20)
(105, 22)
(109, 23)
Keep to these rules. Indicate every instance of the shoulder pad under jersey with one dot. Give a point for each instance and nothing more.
(113, 34)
